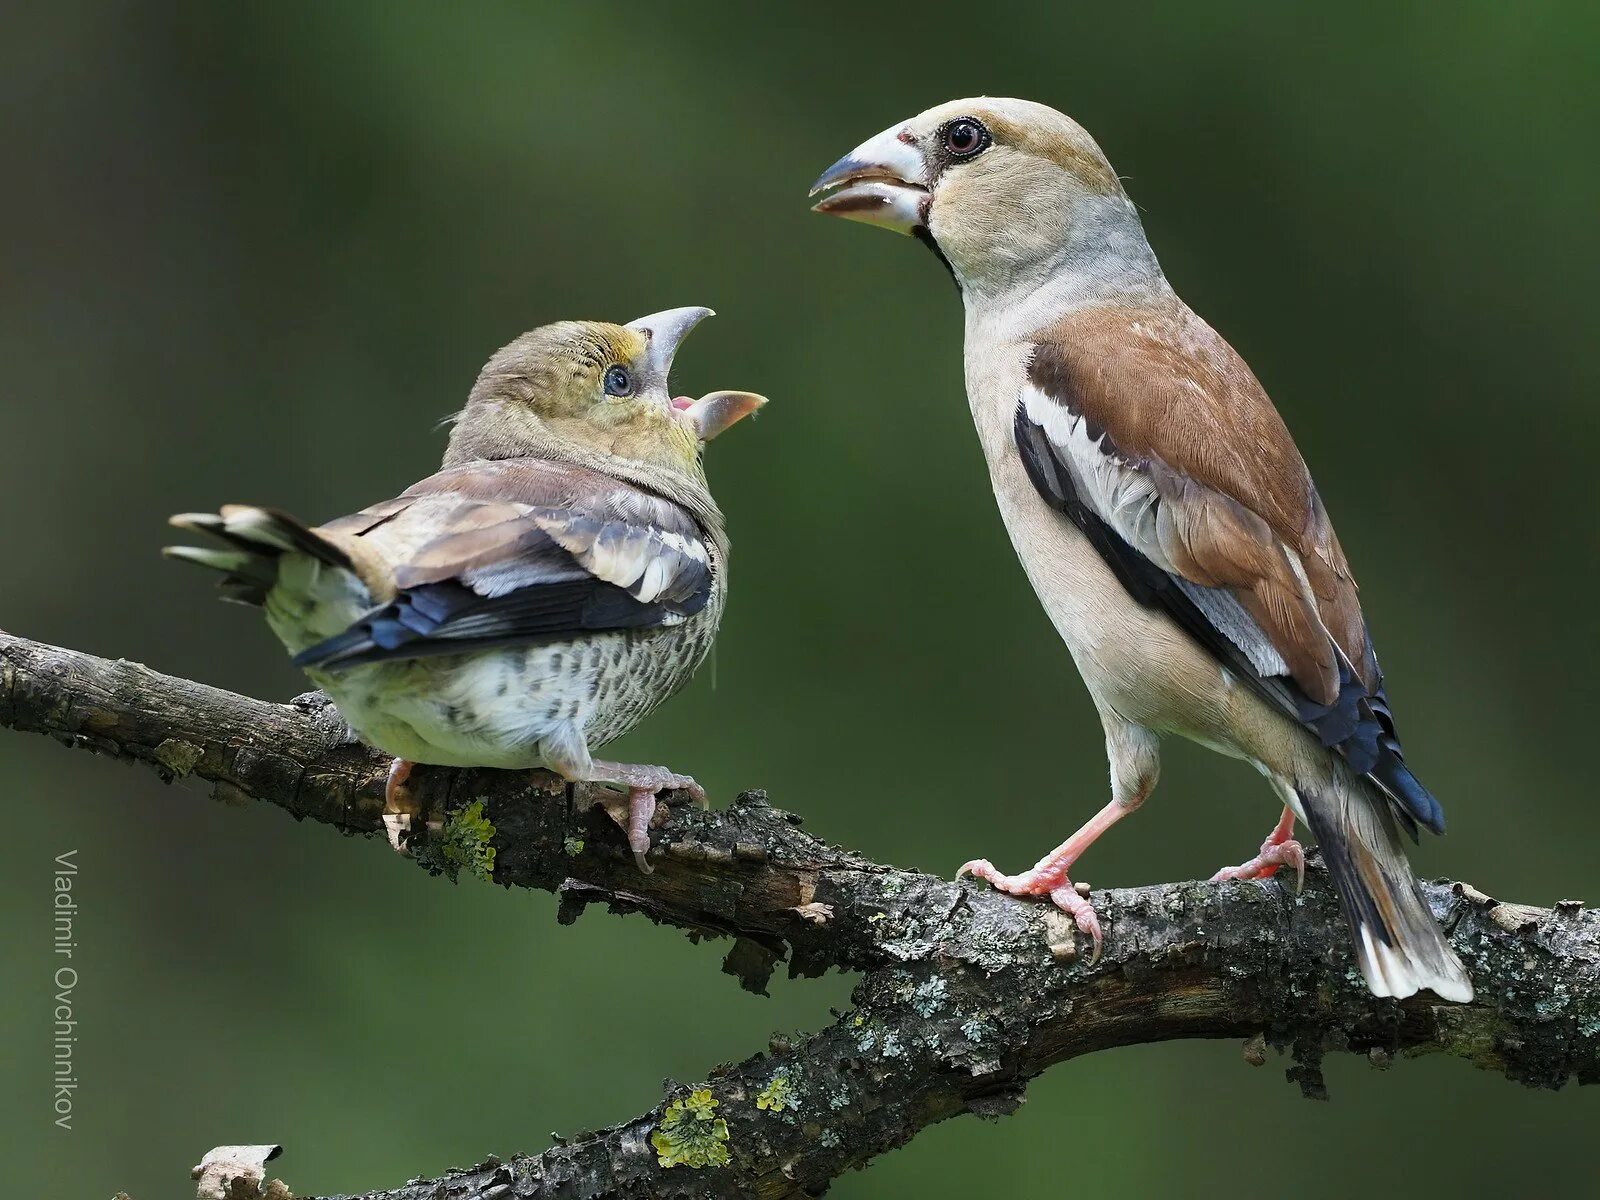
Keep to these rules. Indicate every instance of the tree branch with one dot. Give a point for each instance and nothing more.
(966, 996)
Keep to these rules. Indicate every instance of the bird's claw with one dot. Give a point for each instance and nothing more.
(1265, 865)
(634, 814)
(1070, 901)
(686, 783)
(1071, 898)
(978, 868)
(641, 807)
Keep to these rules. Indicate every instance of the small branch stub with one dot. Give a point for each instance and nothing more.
(238, 1173)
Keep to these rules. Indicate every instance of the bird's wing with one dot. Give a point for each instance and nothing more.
(516, 551)
(1156, 440)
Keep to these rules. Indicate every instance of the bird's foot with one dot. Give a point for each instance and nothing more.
(399, 806)
(655, 779)
(635, 816)
(1279, 850)
(1046, 879)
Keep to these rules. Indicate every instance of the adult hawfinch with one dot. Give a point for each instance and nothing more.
(1161, 511)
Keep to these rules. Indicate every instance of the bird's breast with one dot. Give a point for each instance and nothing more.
(495, 707)
(1133, 659)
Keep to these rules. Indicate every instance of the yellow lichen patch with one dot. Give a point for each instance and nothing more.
(691, 1134)
(778, 1095)
(466, 843)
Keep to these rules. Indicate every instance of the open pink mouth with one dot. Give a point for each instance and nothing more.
(682, 402)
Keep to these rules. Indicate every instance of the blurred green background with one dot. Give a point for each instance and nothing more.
(256, 252)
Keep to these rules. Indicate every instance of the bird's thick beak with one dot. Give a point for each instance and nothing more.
(716, 411)
(883, 181)
(665, 332)
(710, 414)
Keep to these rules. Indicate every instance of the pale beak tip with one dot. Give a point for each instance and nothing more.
(717, 411)
(671, 322)
(664, 333)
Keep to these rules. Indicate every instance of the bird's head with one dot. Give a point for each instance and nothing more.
(1007, 192)
(598, 387)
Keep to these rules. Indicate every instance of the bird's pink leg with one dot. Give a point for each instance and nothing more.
(1049, 875)
(642, 782)
(1279, 850)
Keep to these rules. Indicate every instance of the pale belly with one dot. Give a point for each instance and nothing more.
(499, 708)
(1134, 659)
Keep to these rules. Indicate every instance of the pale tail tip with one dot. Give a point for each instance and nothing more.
(217, 560)
(1393, 972)
(1458, 989)
(197, 521)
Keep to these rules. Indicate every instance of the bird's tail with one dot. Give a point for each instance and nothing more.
(307, 581)
(1397, 942)
(254, 540)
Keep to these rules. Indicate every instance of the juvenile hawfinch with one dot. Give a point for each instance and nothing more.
(561, 575)
(1161, 511)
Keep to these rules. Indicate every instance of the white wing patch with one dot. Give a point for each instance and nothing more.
(497, 579)
(1122, 497)
(1222, 608)
(1127, 500)
(650, 562)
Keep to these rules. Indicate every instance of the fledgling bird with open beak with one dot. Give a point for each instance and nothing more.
(559, 577)
(1161, 511)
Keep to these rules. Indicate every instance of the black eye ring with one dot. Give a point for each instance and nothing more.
(618, 382)
(965, 137)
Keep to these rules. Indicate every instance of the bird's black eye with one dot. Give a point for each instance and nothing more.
(965, 137)
(618, 381)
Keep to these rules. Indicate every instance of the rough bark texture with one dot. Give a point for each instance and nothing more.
(966, 995)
